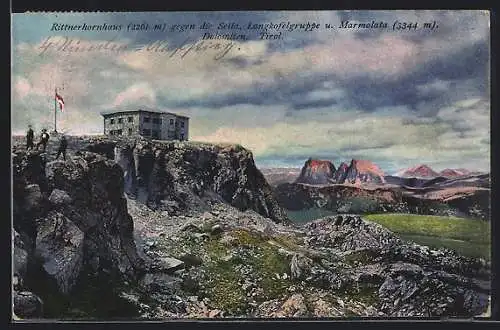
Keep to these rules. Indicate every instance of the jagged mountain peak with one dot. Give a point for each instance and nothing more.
(419, 171)
(316, 171)
(363, 171)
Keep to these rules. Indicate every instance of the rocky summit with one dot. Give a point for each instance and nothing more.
(323, 172)
(152, 230)
(316, 172)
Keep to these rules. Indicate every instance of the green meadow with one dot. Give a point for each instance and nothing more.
(468, 237)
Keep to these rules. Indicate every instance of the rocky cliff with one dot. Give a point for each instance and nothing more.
(73, 223)
(316, 172)
(361, 171)
(321, 172)
(180, 176)
(72, 216)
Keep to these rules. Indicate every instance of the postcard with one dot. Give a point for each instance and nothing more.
(251, 164)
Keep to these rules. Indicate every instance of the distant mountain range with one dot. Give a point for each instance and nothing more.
(424, 171)
(360, 186)
(279, 175)
(323, 172)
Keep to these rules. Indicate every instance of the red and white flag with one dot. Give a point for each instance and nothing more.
(60, 100)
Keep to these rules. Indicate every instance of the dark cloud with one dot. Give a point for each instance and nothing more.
(452, 66)
(465, 71)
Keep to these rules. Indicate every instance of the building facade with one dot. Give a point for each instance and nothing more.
(156, 125)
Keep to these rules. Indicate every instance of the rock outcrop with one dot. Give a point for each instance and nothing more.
(316, 172)
(26, 303)
(362, 171)
(407, 279)
(336, 266)
(180, 176)
(72, 217)
(322, 172)
(341, 173)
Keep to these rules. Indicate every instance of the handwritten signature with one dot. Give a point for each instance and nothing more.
(72, 45)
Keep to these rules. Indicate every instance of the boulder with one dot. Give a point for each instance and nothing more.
(294, 306)
(170, 265)
(59, 197)
(191, 259)
(60, 247)
(300, 265)
(323, 308)
(20, 256)
(216, 229)
(33, 199)
(160, 283)
(27, 305)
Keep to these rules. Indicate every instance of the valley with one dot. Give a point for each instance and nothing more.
(133, 228)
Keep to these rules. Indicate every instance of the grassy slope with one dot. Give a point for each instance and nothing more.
(467, 237)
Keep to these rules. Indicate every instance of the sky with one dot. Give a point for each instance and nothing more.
(397, 98)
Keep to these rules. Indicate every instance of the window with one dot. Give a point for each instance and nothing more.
(182, 124)
(130, 119)
(146, 119)
(156, 134)
(118, 132)
(120, 120)
(111, 121)
(156, 121)
(146, 132)
(129, 131)
(182, 136)
(171, 121)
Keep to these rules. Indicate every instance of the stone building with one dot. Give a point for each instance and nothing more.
(157, 125)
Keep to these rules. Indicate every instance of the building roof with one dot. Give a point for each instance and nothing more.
(109, 113)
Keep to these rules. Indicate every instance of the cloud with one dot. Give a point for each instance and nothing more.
(395, 98)
(432, 88)
(22, 87)
(140, 93)
(399, 140)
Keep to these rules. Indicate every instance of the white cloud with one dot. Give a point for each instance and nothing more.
(22, 87)
(97, 80)
(140, 93)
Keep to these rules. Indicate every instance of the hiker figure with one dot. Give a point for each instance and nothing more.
(29, 138)
(63, 144)
(43, 140)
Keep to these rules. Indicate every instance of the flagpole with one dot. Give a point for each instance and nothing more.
(55, 110)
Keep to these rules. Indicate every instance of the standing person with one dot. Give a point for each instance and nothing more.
(63, 144)
(29, 138)
(43, 140)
